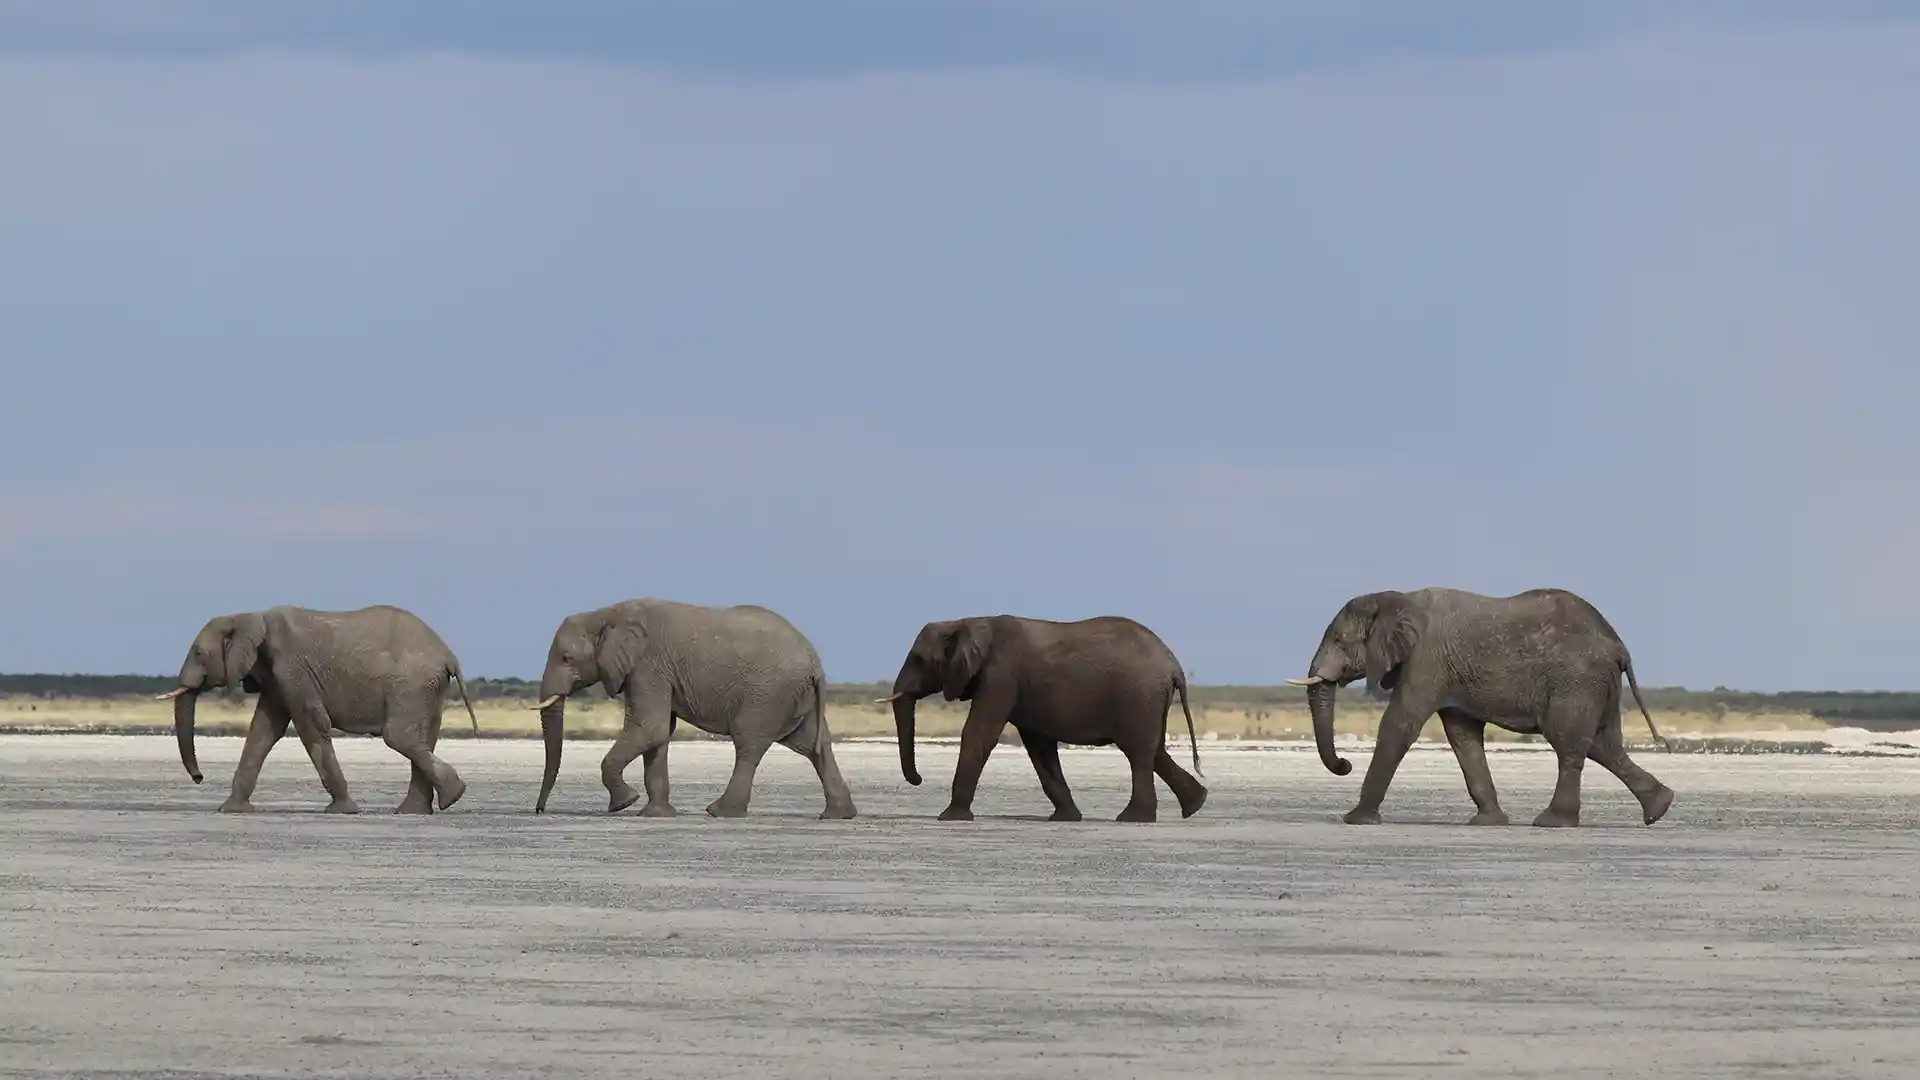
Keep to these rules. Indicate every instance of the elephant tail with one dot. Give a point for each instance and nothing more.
(1193, 742)
(1626, 665)
(453, 672)
(820, 737)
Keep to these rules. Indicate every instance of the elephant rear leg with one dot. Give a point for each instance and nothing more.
(1045, 755)
(1610, 751)
(419, 799)
(1468, 738)
(1569, 727)
(810, 734)
(412, 732)
(747, 752)
(1140, 751)
(1186, 787)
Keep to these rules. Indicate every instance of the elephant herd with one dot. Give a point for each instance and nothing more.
(1543, 662)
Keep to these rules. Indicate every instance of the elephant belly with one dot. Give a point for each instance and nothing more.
(1092, 731)
(359, 722)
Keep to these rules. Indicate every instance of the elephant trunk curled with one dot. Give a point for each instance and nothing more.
(903, 727)
(553, 724)
(1320, 701)
(183, 731)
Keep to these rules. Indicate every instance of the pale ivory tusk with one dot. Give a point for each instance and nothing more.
(1311, 681)
(549, 701)
(888, 700)
(178, 691)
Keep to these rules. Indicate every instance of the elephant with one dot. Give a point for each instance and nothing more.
(743, 671)
(373, 671)
(1543, 661)
(1104, 681)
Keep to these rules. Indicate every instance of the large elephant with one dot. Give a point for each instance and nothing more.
(375, 671)
(1543, 661)
(1106, 681)
(743, 672)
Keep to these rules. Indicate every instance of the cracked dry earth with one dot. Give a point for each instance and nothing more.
(1770, 926)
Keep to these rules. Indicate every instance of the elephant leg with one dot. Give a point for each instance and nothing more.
(1139, 742)
(413, 739)
(1399, 726)
(1044, 752)
(315, 728)
(269, 727)
(1468, 738)
(653, 777)
(1185, 786)
(1609, 749)
(649, 726)
(986, 719)
(1567, 731)
(812, 733)
(747, 752)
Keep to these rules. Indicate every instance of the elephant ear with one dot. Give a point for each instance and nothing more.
(240, 650)
(616, 653)
(1397, 625)
(964, 658)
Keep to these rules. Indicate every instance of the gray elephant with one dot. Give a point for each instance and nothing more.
(1105, 681)
(743, 672)
(374, 671)
(1543, 661)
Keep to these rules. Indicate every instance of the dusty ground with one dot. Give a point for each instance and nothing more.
(1769, 927)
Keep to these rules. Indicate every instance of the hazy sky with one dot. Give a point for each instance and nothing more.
(1213, 314)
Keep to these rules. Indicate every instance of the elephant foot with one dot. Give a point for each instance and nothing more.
(1190, 804)
(653, 809)
(1357, 816)
(343, 805)
(1553, 819)
(450, 793)
(956, 813)
(620, 798)
(414, 806)
(1489, 817)
(1141, 815)
(721, 809)
(1656, 807)
(236, 806)
(838, 813)
(1067, 813)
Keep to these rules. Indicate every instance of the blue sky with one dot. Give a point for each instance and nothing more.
(1212, 314)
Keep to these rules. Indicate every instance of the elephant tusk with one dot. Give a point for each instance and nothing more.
(1311, 680)
(549, 701)
(888, 700)
(178, 691)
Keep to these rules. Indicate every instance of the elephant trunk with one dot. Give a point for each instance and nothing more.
(903, 727)
(1320, 701)
(183, 703)
(553, 726)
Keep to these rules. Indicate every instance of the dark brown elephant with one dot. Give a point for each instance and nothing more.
(1543, 661)
(1104, 681)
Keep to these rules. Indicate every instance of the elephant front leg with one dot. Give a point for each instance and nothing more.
(268, 727)
(315, 728)
(1045, 755)
(1468, 736)
(653, 776)
(648, 727)
(1398, 728)
(985, 721)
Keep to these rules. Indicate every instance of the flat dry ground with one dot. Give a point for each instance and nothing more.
(1766, 928)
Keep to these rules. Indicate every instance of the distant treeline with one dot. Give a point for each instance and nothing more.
(1863, 709)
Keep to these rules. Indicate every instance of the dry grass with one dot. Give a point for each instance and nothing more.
(589, 718)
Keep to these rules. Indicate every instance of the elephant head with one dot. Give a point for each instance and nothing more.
(229, 649)
(1373, 635)
(947, 657)
(602, 647)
